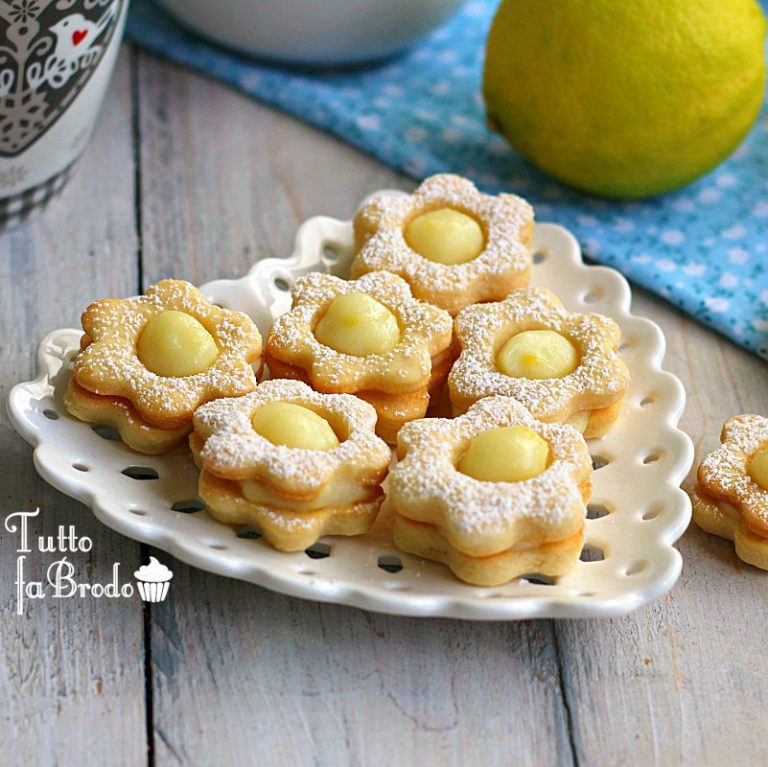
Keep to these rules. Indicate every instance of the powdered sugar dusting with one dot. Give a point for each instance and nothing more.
(234, 450)
(425, 333)
(600, 379)
(724, 472)
(110, 363)
(427, 487)
(505, 261)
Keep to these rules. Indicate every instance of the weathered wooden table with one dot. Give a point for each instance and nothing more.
(184, 178)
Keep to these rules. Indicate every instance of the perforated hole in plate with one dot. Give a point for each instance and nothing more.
(652, 457)
(189, 506)
(599, 461)
(651, 513)
(627, 343)
(248, 533)
(649, 399)
(330, 252)
(107, 432)
(217, 546)
(597, 511)
(539, 257)
(593, 295)
(539, 580)
(318, 551)
(80, 467)
(51, 415)
(390, 562)
(636, 567)
(282, 284)
(592, 553)
(140, 472)
(138, 512)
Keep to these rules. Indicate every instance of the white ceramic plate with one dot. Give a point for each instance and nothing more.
(636, 514)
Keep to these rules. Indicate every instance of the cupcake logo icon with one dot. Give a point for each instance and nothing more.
(153, 581)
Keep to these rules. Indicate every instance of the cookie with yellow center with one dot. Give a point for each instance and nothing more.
(147, 363)
(291, 462)
(564, 367)
(368, 337)
(494, 494)
(731, 494)
(453, 244)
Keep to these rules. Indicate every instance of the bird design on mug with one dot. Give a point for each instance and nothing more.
(75, 49)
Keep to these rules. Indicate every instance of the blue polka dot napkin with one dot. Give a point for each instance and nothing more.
(703, 248)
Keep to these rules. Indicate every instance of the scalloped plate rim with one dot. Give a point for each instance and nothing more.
(463, 605)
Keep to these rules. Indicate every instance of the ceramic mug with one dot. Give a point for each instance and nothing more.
(56, 60)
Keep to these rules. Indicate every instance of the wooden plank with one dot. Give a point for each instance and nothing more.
(243, 676)
(225, 182)
(682, 681)
(71, 675)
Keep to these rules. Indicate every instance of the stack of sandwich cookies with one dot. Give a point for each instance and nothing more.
(148, 363)
(731, 496)
(497, 492)
(368, 337)
(453, 245)
(493, 494)
(564, 367)
(291, 462)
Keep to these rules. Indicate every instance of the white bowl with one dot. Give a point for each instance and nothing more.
(636, 513)
(314, 31)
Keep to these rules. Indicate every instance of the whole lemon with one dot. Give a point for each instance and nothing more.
(625, 98)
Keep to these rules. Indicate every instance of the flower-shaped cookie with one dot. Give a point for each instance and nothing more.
(494, 232)
(396, 380)
(589, 396)
(488, 532)
(731, 497)
(292, 495)
(202, 352)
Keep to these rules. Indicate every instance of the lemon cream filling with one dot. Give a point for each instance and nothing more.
(579, 421)
(175, 344)
(445, 236)
(332, 495)
(505, 454)
(357, 324)
(292, 425)
(537, 354)
(727, 508)
(758, 468)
